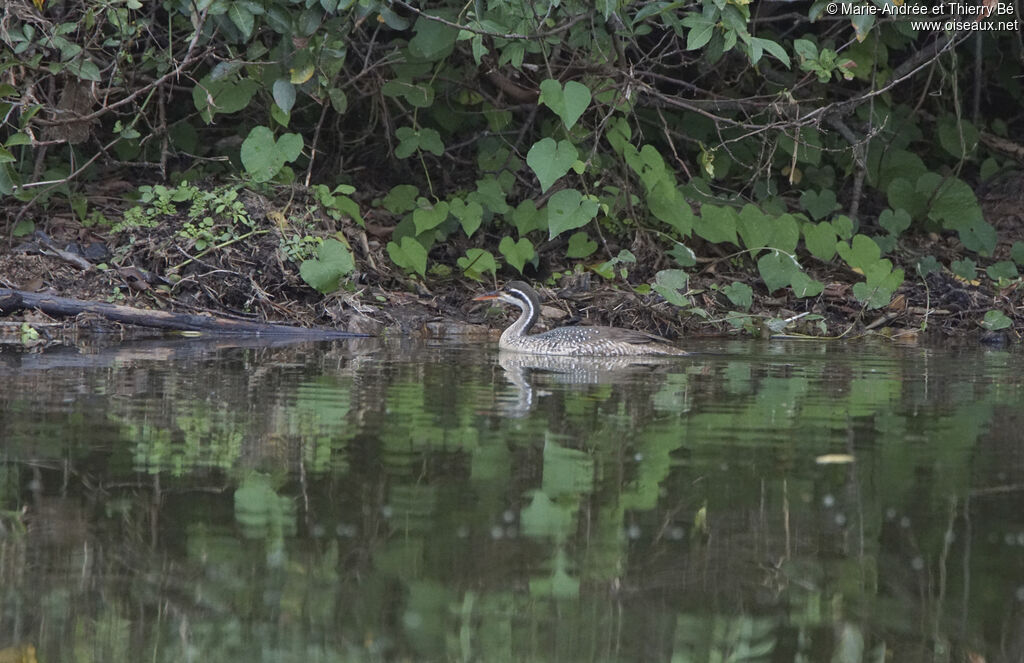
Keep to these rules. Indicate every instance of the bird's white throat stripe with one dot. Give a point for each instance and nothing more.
(528, 304)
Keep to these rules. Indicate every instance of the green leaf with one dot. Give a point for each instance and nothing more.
(861, 253)
(701, 30)
(902, 196)
(420, 96)
(927, 265)
(805, 286)
(427, 217)
(580, 246)
(550, 160)
(1003, 269)
(683, 255)
(469, 215)
(954, 204)
(820, 240)
(527, 218)
(408, 142)
(84, 69)
(843, 226)
(518, 253)
(289, 146)
(263, 157)
(785, 233)
(957, 136)
(242, 18)
(568, 103)
(490, 195)
(476, 262)
(568, 210)
(281, 117)
(430, 141)
(965, 269)
(895, 222)
(433, 40)
(222, 96)
(773, 48)
(409, 254)
(1017, 253)
(740, 294)
(716, 224)
(777, 270)
(672, 285)
(667, 204)
(754, 229)
(27, 226)
(339, 100)
(333, 261)
(819, 204)
(806, 49)
(401, 198)
(996, 320)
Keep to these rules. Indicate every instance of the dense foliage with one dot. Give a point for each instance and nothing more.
(521, 136)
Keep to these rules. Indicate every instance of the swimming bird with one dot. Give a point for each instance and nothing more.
(576, 341)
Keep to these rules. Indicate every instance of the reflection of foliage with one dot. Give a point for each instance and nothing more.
(263, 514)
(414, 523)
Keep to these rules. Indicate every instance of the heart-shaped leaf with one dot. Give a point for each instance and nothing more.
(1017, 253)
(819, 204)
(409, 254)
(550, 160)
(671, 284)
(408, 142)
(820, 239)
(777, 270)
(683, 255)
(469, 215)
(902, 196)
(965, 269)
(716, 224)
(754, 228)
(263, 157)
(518, 253)
(739, 294)
(568, 210)
(333, 261)
(1004, 269)
(568, 103)
(895, 222)
(996, 320)
(476, 262)
(861, 253)
(427, 217)
(668, 204)
(526, 217)
(580, 245)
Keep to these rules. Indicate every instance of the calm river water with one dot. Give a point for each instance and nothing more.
(360, 501)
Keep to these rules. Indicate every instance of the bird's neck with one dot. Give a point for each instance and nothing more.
(521, 327)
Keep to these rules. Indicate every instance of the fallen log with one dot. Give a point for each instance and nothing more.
(18, 300)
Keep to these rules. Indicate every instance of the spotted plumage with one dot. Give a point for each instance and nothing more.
(583, 341)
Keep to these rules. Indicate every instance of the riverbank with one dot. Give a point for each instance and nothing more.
(255, 276)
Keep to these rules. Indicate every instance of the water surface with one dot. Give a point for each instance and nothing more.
(362, 501)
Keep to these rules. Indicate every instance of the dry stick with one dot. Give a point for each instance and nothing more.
(105, 109)
(217, 246)
(189, 59)
(858, 155)
(17, 300)
(316, 138)
(486, 33)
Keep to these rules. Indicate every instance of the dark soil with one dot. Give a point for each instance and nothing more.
(251, 279)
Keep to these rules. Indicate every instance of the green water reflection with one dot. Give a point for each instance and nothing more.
(368, 502)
